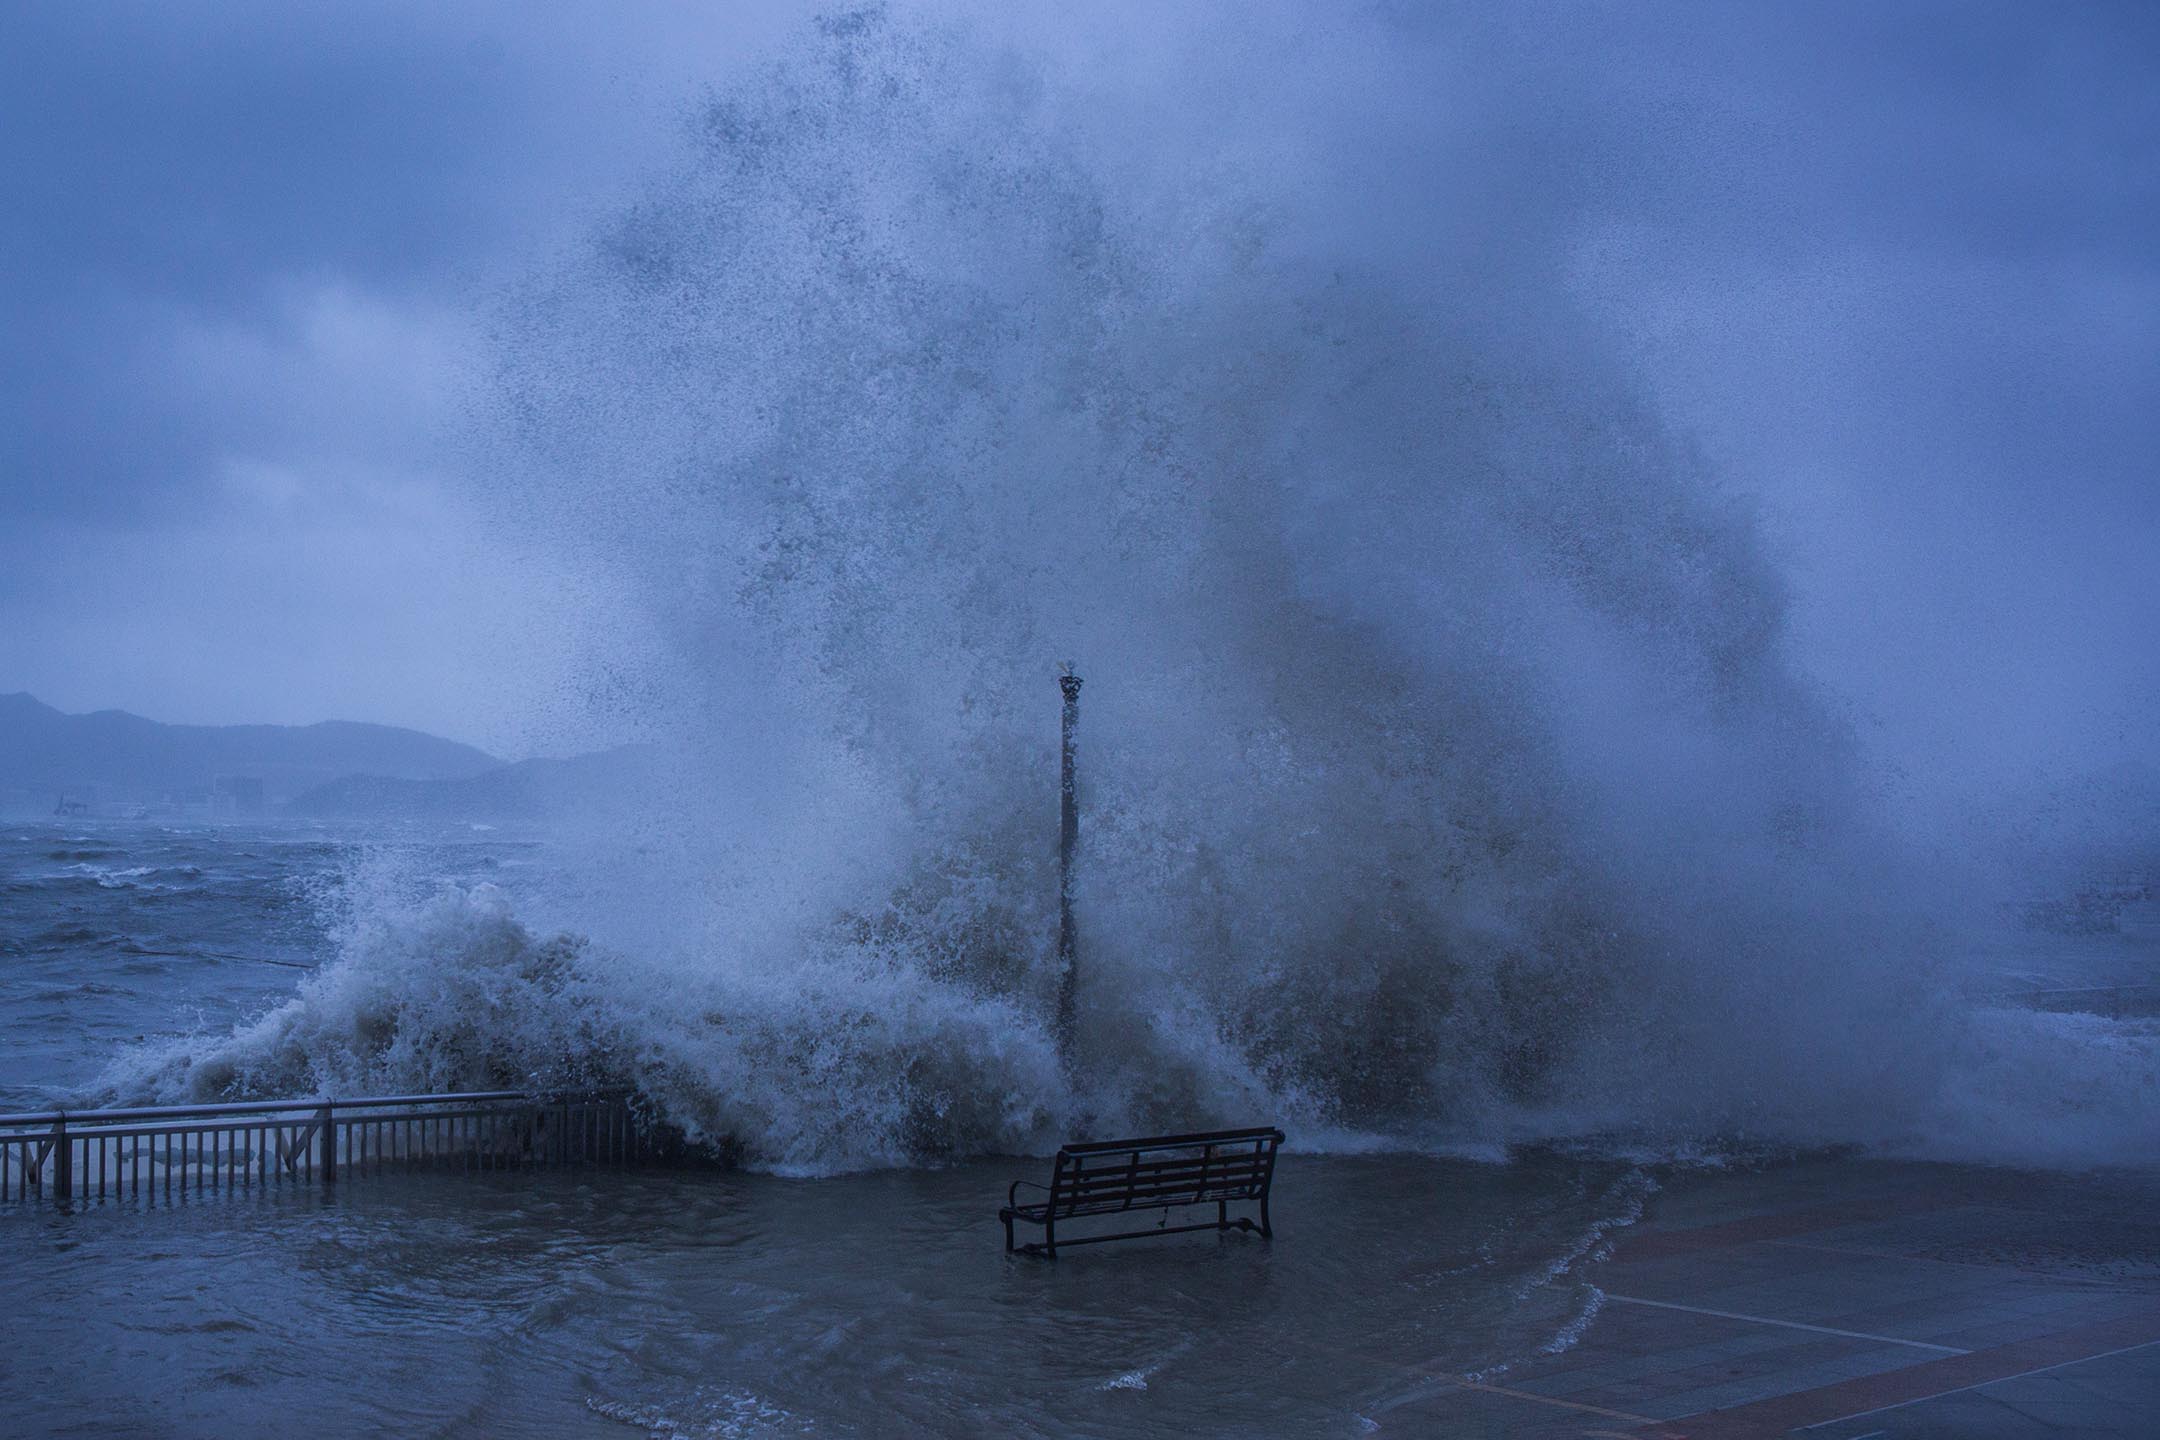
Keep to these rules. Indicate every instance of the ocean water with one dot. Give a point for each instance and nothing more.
(709, 1302)
(701, 1302)
(118, 932)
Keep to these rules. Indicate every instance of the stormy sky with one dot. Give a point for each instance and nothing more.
(1892, 267)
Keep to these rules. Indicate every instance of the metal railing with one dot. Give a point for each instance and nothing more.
(169, 1152)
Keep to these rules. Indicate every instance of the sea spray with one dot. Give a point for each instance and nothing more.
(841, 1070)
(1448, 776)
(456, 995)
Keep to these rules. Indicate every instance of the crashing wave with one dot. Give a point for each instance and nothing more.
(1447, 777)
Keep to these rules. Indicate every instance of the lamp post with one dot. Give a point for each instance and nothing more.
(1068, 837)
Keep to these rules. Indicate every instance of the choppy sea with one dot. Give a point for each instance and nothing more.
(697, 1302)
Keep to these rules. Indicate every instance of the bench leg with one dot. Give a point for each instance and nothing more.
(1267, 1231)
(1008, 1235)
(1222, 1214)
(1049, 1238)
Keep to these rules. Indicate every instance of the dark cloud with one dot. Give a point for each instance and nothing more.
(170, 167)
(167, 165)
(1892, 265)
(242, 254)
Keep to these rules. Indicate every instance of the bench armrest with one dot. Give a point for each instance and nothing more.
(1013, 1192)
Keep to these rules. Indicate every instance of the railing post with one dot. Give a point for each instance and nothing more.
(329, 1142)
(63, 1161)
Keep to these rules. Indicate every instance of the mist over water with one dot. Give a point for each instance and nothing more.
(1448, 775)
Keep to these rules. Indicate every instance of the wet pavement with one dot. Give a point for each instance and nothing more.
(1850, 1300)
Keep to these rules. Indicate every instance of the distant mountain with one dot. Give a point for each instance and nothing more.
(117, 756)
(527, 790)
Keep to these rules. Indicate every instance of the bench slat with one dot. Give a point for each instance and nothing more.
(1153, 1202)
(1171, 1142)
(1196, 1186)
(1035, 1214)
(1148, 1185)
(1111, 1165)
(1141, 1175)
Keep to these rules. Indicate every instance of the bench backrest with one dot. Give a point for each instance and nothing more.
(1165, 1170)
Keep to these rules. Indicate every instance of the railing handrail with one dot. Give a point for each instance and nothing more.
(43, 1118)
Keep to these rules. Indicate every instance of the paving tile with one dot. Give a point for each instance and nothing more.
(2112, 1398)
(1682, 1403)
(2005, 1267)
(1470, 1413)
(1942, 1376)
(1992, 1332)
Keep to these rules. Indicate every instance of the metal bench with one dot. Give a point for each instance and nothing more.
(1157, 1172)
